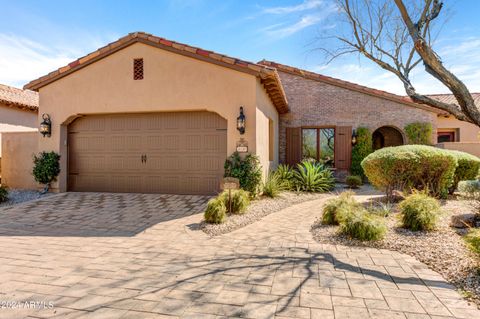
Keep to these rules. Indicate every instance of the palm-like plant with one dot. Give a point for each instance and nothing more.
(313, 177)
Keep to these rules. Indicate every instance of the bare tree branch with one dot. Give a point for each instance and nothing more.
(385, 33)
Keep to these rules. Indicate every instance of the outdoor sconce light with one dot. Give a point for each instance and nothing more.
(241, 122)
(46, 126)
(354, 137)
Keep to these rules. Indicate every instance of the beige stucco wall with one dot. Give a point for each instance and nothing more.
(18, 149)
(467, 132)
(13, 119)
(468, 147)
(172, 82)
(265, 112)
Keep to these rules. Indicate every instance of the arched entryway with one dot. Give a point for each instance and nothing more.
(386, 136)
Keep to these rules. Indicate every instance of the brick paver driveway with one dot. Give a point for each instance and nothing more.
(141, 256)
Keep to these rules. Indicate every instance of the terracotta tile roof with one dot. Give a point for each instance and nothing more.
(347, 85)
(23, 99)
(268, 75)
(450, 98)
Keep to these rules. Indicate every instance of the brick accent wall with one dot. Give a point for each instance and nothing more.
(314, 103)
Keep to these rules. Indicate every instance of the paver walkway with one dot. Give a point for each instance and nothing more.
(139, 256)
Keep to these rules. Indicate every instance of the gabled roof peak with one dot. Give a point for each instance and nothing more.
(268, 75)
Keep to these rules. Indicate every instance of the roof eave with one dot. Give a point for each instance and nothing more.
(260, 71)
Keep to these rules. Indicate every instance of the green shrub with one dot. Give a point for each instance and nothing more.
(467, 169)
(419, 211)
(273, 186)
(240, 201)
(46, 167)
(410, 167)
(419, 133)
(247, 170)
(285, 175)
(353, 181)
(3, 194)
(216, 212)
(313, 177)
(470, 189)
(336, 209)
(360, 150)
(473, 240)
(363, 226)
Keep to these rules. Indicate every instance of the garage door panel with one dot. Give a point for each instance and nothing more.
(88, 143)
(193, 142)
(185, 153)
(171, 142)
(97, 124)
(125, 143)
(126, 183)
(214, 142)
(88, 163)
(125, 163)
(162, 184)
(154, 142)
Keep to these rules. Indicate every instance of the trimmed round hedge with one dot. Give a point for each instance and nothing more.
(467, 169)
(410, 167)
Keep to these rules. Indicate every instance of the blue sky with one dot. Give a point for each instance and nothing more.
(37, 37)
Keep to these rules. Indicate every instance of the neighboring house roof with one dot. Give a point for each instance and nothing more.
(269, 76)
(22, 99)
(347, 85)
(450, 98)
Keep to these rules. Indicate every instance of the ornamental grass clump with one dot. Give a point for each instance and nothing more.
(362, 225)
(273, 186)
(336, 209)
(419, 212)
(473, 240)
(313, 177)
(216, 212)
(240, 201)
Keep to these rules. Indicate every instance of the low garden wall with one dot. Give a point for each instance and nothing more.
(17, 159)
(468, 147)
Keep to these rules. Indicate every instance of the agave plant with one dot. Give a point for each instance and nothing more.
(313, 177)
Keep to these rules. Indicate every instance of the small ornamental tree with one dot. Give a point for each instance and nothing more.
(46, 167)
(419, 133)
(362, 148)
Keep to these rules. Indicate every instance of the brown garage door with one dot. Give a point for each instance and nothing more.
(174, 153)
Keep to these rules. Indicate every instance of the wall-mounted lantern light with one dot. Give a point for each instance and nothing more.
(241, 121)
(46, 126)
(354, 137)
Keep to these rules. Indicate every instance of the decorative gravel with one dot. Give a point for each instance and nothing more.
(442, 250)
(258, 209)
(17, 196)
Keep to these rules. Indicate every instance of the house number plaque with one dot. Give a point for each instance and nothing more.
(242, 146)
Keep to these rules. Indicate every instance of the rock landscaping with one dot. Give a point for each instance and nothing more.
(259, 209)
(17, 196)
(443, 250)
